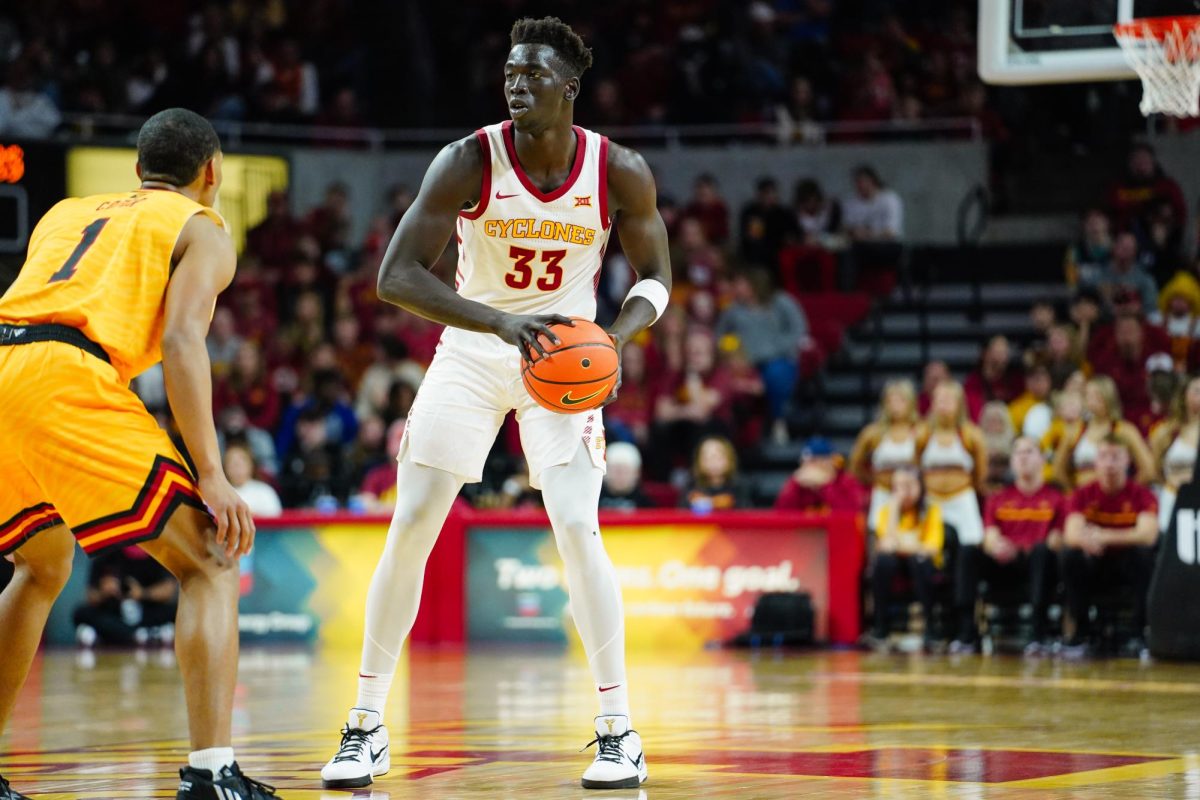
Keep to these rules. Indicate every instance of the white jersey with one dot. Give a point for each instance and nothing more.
(523, 251)
(526, 251)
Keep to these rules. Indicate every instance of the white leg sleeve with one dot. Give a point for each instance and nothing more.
(572, 493)
(423, 499)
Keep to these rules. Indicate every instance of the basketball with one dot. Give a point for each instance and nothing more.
(578, 373)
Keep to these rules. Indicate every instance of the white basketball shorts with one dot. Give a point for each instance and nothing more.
(472, 384)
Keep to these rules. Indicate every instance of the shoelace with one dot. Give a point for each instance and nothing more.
(353, 742)
(610, 747)
(253, 786)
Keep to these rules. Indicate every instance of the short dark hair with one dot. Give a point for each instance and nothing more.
(868, 172)
(173, 145)
(557, 35)
(808, 188)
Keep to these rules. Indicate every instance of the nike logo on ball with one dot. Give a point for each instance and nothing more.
(568, 400)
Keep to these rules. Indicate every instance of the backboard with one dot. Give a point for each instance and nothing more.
(1061, 41)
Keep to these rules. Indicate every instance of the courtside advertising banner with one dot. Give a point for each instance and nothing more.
(684, 586)
(687, 581)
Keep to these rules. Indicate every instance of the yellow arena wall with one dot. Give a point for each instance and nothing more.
(243, 199)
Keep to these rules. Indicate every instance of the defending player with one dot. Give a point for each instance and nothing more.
(531, 200)
(112, 284)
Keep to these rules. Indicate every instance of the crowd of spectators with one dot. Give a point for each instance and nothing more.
(1058, 459)
(997, 474)
(313, 376)
(788, 63)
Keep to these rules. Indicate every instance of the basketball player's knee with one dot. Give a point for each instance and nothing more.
(576, 532)
(45, 562)
(414, 521)
(48, 573)
(405, 517)
(212, 567)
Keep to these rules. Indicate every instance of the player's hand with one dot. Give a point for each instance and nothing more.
(612, 395)
(523, 331)
(235, 526)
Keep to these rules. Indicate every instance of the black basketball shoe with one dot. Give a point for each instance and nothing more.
(9, 793)
(229, 784)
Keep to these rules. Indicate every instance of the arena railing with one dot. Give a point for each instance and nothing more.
(109, 128)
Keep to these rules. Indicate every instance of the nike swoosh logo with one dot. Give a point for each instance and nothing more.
(610, 688)
(375, 756)
(567, 400)
(504, 196)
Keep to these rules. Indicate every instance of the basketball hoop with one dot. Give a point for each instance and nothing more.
(1165, 52)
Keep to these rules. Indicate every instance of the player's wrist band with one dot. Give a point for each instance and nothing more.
(652, 291)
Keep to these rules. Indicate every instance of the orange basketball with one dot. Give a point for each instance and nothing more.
(578, 373)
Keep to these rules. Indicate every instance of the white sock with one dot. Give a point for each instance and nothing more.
(614, 699)
(571, 493)
(211, 759)
(373, 692)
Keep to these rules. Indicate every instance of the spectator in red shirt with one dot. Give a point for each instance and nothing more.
(1111, 529)
(353, 354)
(249, 386)
(420, 336)
(1162, 386)
(708, 207)
(330, 221)
(1102, 342)
(821, 482)
(628, 418)
(695, 402)
(274, 239)
(996, 378)
(1022, 527)
(378, 489)
(1142, 188)
(1125, 363)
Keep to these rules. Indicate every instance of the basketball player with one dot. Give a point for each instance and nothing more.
(112, 284)
(531, 201)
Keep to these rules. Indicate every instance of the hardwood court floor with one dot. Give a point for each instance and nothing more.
(509, 724)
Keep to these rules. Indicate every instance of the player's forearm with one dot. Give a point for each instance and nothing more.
(418, 290)
(187, 374)
(638, 313)
(635, 317)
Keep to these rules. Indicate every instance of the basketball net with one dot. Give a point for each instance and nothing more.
(1165, 52)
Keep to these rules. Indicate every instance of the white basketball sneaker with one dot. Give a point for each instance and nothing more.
(363, 754)
(620, 763)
